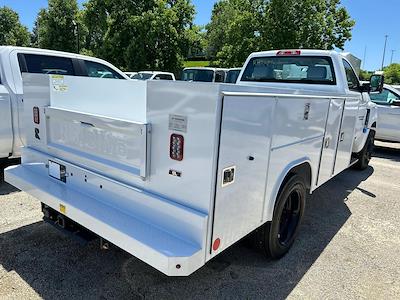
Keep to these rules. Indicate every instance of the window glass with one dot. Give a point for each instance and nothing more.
(232, 76)
(352, 79)
(45, 64)
(198, 75)
(142, 76)
(290, 69)
(98, 70)
(220, 76)
(163, 77)
(384, 98)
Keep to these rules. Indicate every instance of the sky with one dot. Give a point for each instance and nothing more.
(374, 19)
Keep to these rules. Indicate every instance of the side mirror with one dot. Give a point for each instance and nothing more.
(365, 87)
(377, 83)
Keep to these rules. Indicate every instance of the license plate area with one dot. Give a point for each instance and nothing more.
(57, 171)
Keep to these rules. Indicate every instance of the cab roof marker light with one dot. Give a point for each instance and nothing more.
(288, 52)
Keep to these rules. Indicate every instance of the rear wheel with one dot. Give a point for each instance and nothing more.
(364, 156)
(276, 238)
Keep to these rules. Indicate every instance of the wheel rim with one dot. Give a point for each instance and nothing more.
(290, 217)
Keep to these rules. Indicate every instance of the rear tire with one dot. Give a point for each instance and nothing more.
(364, 156)
(276, 237)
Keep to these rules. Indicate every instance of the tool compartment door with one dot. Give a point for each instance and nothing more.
(329, 147)
(6, 132)
(346, 135)
(242, 167)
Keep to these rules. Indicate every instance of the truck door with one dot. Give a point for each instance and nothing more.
(242, 167)
(6, 134)
(329, 148)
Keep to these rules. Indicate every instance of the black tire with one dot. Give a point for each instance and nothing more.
(276, 237)
(364, 156)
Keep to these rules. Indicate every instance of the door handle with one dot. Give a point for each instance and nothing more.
(342, 136)
(327, 142)
(86, 124)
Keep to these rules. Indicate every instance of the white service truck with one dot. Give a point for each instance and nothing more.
(14, 61)
(176, 172)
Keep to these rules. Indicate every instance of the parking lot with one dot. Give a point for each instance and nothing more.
(349, 247)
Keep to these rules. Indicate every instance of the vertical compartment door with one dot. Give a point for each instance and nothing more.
(329, 147)
(346, 135)
(242, 167)
(6, 132)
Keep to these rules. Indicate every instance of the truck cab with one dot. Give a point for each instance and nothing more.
(17, 60)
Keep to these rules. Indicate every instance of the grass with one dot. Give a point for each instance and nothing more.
(191, 64)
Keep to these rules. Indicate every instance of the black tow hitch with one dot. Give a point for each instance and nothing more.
(67, 226)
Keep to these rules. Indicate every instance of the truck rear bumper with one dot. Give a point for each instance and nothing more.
(173, 253)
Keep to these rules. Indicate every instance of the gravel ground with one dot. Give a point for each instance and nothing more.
(349, 248)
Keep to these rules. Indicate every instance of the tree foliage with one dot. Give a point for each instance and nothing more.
(57, 26)
(392, 74)
(139, 35)
(239, 27)
(12, 32)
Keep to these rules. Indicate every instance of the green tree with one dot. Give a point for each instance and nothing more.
(392, 74)
(321, 24)
(239, 27)
(234, 31)
(365, 75)
(59, 26)
(12, 32)
(145, 34)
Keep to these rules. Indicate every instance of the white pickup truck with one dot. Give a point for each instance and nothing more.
(14, 61)
(176, 172)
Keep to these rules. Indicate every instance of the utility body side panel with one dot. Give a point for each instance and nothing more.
(332, 131)
(6, 133)
(244, 150)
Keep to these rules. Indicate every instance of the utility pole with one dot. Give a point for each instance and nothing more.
(76, 31)
(384, 52)
(391, 58)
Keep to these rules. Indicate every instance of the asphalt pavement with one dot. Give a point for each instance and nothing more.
(348, 248)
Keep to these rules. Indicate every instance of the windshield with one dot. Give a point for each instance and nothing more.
(290, 69)
(232, 76)
(198, 75)
(142, 76)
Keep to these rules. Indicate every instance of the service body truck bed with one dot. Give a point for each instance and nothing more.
(176, 172)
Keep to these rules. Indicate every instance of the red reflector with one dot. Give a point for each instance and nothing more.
(176, 147)
(216, 244)
(36, 116)
(288, 52)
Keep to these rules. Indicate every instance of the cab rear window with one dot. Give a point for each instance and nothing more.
(290, 69)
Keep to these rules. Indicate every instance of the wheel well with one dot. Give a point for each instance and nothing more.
(303, 170)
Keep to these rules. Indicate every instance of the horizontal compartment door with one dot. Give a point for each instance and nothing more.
(98, 140)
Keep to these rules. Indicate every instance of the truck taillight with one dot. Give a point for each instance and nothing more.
(36, 116)
(288, 53)
(176, 147)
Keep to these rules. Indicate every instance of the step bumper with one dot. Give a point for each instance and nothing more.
(172, 253)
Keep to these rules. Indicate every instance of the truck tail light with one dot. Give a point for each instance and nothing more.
(176, 147)
(288, 52)
(36, 116)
